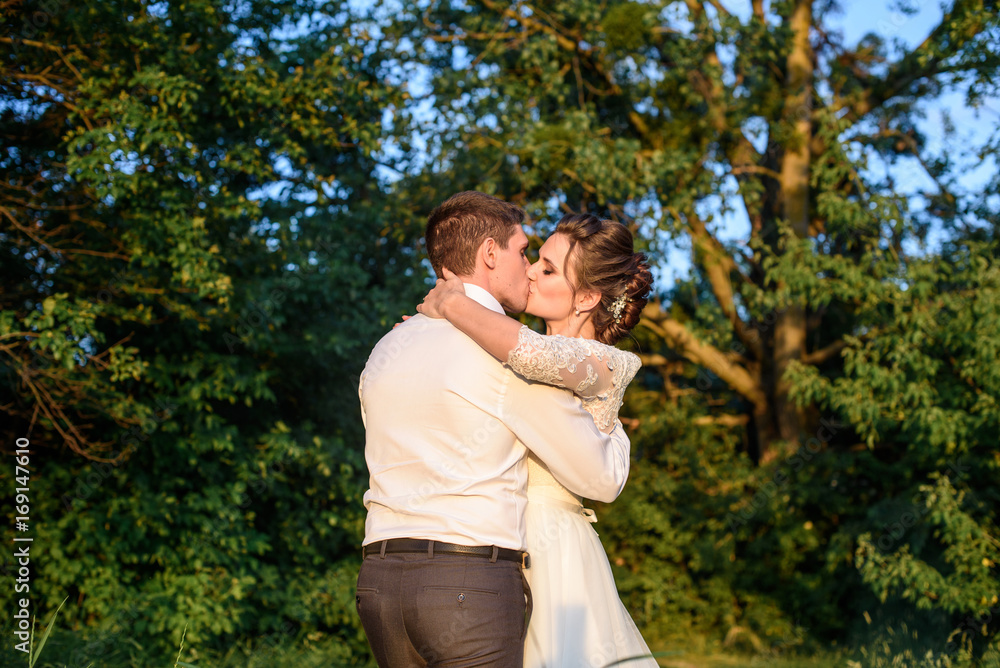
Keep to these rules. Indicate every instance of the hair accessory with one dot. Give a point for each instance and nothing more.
(618, 305)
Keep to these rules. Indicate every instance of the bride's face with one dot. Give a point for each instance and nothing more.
(550, 281)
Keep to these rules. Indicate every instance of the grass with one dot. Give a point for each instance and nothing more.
(296, 655)
(732, 661)
(34, 653)
(68, 650)
(64, 651)
(65, 654)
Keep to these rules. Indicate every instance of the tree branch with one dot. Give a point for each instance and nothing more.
(572, 45)
(823, 354)
(919, 63)
(726, 420)
(473, 35)
(61, 422)
(5, 211)
(679, 338)
(719, 267)
(722, 11)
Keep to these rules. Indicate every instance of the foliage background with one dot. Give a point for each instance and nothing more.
(211, 211)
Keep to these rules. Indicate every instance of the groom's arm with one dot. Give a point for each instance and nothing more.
(361, 399)
(552, 424)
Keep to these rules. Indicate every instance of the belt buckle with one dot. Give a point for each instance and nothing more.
(525, 560)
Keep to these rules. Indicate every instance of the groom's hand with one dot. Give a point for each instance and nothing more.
(443, 290)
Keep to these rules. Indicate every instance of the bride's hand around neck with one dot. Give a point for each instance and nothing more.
(445, 289)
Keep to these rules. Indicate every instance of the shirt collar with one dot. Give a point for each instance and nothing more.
(483, 297)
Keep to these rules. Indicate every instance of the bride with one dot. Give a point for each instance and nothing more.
(589, 286)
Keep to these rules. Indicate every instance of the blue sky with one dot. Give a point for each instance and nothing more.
(855, 19)
(858, 18)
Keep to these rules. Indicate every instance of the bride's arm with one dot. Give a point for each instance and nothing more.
(494, 332)
(585, 367)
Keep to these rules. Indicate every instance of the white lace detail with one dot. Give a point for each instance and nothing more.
(596, 372)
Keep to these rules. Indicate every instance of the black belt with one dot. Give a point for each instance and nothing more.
(431, 547)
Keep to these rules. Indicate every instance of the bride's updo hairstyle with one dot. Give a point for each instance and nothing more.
(603, 260)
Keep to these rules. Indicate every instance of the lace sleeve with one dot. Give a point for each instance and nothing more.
(624, 365)
(585, 367)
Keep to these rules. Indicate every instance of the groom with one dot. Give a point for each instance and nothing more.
(447, 427)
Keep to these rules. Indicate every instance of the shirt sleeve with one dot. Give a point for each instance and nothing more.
(552, 424)
(361, 399)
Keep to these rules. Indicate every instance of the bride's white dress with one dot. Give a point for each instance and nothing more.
(578, 620)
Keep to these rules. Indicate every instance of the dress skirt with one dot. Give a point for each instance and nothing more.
(579, 620)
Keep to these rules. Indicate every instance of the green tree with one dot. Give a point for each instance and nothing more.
(673, 114)
(676, 116)
(197, 254)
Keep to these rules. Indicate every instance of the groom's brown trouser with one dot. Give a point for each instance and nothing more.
(445, 610)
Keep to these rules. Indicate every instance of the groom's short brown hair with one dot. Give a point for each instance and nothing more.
(460, 224)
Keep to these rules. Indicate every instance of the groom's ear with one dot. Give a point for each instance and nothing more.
(489, 251)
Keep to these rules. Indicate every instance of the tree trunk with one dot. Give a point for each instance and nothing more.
(790, 326)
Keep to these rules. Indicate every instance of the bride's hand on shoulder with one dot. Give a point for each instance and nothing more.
(445, 289)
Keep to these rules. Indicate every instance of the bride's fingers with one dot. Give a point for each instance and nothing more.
(447, 273)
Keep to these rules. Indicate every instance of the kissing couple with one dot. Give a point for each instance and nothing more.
(483, 438)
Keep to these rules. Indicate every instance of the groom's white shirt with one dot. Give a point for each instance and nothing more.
(447, 425)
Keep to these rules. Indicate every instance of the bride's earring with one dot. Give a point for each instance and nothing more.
(577, 312)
